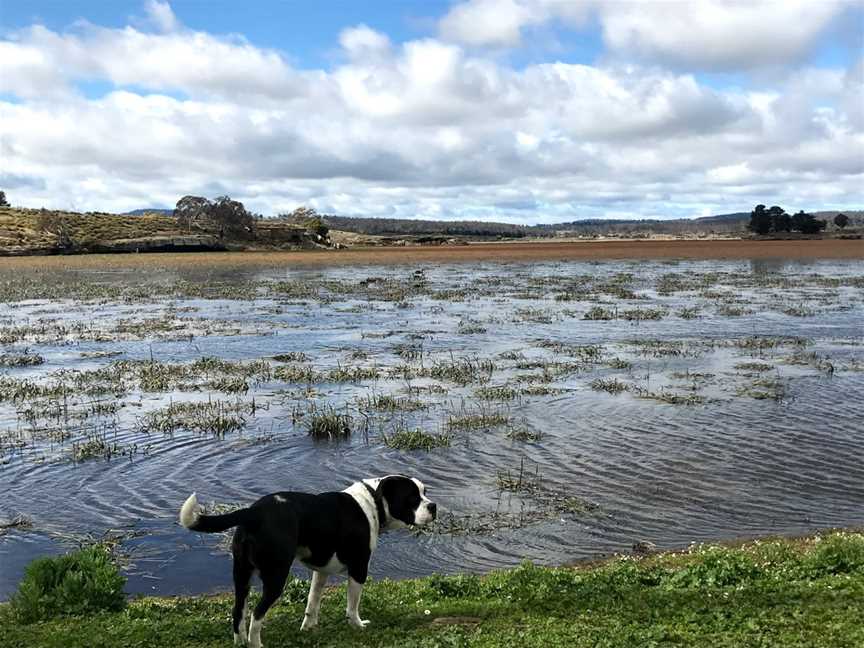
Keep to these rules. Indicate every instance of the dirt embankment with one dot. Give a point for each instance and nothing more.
(478, 252)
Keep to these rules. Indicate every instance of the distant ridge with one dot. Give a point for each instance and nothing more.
(723, 224)
(150, 210)
(720, 223)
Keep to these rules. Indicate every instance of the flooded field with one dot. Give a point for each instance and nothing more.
(556, 410)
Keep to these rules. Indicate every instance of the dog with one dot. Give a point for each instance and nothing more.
(331, 533)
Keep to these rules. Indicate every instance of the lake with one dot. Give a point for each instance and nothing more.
(575, 407)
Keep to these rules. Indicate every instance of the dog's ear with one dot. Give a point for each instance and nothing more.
(383, 482)
(389, 484)
(381, 490)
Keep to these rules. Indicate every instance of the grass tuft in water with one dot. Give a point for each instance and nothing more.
(291, 356)
(609, 385)
(416, 439)
(670, 397)
(213, 417)
(599, 313)
(477, 420)
(389, 403)
(25, 359)
(329, 424)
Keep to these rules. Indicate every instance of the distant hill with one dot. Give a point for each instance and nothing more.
(719, 224)
(725, 218)
(150, 210)
(856, 216)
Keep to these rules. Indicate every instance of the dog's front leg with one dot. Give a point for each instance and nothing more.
(353, 611)
(313, 603)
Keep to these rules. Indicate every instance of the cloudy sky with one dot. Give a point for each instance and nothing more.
(512, 110)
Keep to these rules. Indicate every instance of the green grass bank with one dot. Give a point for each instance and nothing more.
(787, 593)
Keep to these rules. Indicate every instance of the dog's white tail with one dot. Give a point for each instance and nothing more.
(190, 512)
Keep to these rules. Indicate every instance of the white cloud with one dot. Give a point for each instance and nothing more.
(488, 22)
(423, 128)
(718, 34)
(706, 34)
(362, 41)
(162, 16)
(193, 62)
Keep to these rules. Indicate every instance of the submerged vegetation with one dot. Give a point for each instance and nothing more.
(425, 385)
(330, 424)
(416, 439)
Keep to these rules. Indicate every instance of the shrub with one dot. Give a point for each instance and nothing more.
(717, 567)
(309, 219)
(530, 585)
(836, 554)
(460, 586)
(81, 582)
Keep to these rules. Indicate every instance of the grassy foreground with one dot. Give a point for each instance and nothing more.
(785, 593)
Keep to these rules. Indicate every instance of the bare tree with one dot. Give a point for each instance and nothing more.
(56, 223)
(191, 210)
(310, 219)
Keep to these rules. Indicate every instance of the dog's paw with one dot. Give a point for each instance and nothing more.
(309, 623)
(255, 634)
(358, 622)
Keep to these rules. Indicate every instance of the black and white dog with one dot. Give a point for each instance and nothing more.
(331, 533)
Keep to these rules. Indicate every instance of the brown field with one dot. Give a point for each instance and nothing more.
(504, 252)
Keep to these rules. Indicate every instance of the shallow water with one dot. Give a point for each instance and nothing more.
(640, 469)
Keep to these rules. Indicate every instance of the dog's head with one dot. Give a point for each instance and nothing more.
(405, 502)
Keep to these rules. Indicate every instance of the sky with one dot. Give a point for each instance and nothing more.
(522, 111)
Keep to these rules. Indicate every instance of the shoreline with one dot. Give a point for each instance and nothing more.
(493, 252)
(796, 592)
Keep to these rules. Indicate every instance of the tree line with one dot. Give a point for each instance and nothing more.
(230, 219)
(775, 219)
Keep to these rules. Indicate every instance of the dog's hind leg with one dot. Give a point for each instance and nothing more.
(274, 583)
(242, 577)
(313, 603)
